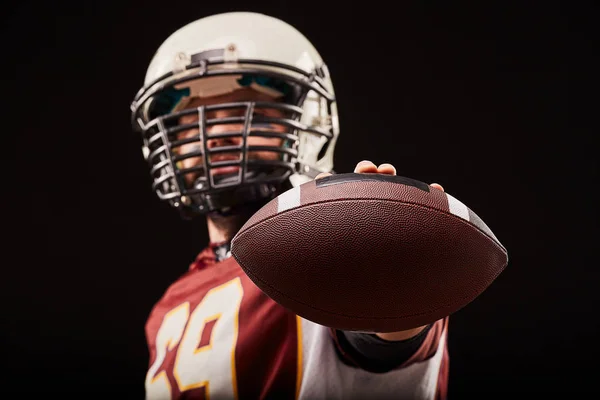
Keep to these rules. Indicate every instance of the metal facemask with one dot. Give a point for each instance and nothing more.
(201, 188)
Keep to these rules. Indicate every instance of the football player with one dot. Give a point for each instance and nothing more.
(235, 109)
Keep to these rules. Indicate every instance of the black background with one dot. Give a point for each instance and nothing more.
(475, 98)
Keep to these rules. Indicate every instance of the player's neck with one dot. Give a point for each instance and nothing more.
(223, 229)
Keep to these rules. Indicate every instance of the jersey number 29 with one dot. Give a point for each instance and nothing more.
(210, 364)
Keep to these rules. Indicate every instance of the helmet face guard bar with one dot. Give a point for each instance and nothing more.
(182, 164)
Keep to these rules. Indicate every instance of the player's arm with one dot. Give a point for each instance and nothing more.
(381, 352)
(375, 354)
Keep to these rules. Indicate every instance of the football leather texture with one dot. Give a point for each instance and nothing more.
(369, 252)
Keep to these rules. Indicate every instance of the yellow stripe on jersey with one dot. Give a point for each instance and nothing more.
(299, 368)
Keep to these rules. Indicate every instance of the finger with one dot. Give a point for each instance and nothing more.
(364, 167)
(437, 186)
(386, 168)
(322, 175)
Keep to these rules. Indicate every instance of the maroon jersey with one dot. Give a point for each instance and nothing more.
(215, 335)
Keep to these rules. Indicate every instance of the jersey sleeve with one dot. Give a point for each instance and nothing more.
(330, 371)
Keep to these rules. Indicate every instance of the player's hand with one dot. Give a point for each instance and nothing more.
(365, 167)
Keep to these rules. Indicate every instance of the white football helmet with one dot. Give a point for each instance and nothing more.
(216, 55)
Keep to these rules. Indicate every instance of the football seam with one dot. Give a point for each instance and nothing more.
(477, 293)
(496, 242)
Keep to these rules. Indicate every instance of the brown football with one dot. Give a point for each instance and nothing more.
(369, 252)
